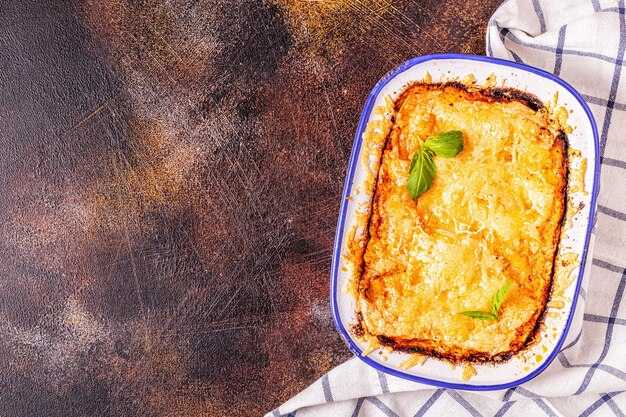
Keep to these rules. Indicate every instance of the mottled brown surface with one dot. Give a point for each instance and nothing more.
(170, 177)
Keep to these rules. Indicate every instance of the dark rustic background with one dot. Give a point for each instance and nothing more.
(170, 177)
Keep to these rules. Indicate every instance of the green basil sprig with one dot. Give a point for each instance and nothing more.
(496, 303)
(422, 171)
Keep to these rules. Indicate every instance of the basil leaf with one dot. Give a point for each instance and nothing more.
(498, 298)
(421, 173)
(492, 311)
(481, 315)
(446, 144)
(496, 303)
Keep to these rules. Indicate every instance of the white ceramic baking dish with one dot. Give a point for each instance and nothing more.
(529, 363)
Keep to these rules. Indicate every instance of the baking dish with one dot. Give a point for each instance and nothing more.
(574, 241)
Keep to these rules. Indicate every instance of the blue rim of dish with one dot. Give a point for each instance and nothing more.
(347, 190)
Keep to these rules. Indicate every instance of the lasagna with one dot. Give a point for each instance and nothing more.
(491, 218)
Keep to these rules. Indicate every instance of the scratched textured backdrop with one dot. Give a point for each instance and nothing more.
(170, 179)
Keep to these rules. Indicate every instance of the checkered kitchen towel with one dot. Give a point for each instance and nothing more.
(583, 42)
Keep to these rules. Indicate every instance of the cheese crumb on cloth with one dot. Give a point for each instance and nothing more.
(583, 42)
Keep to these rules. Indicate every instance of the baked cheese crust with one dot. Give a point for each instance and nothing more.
(493, 214)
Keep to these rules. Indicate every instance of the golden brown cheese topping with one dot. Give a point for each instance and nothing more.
(493, 214)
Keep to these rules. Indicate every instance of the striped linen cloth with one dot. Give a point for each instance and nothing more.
(583, 42)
